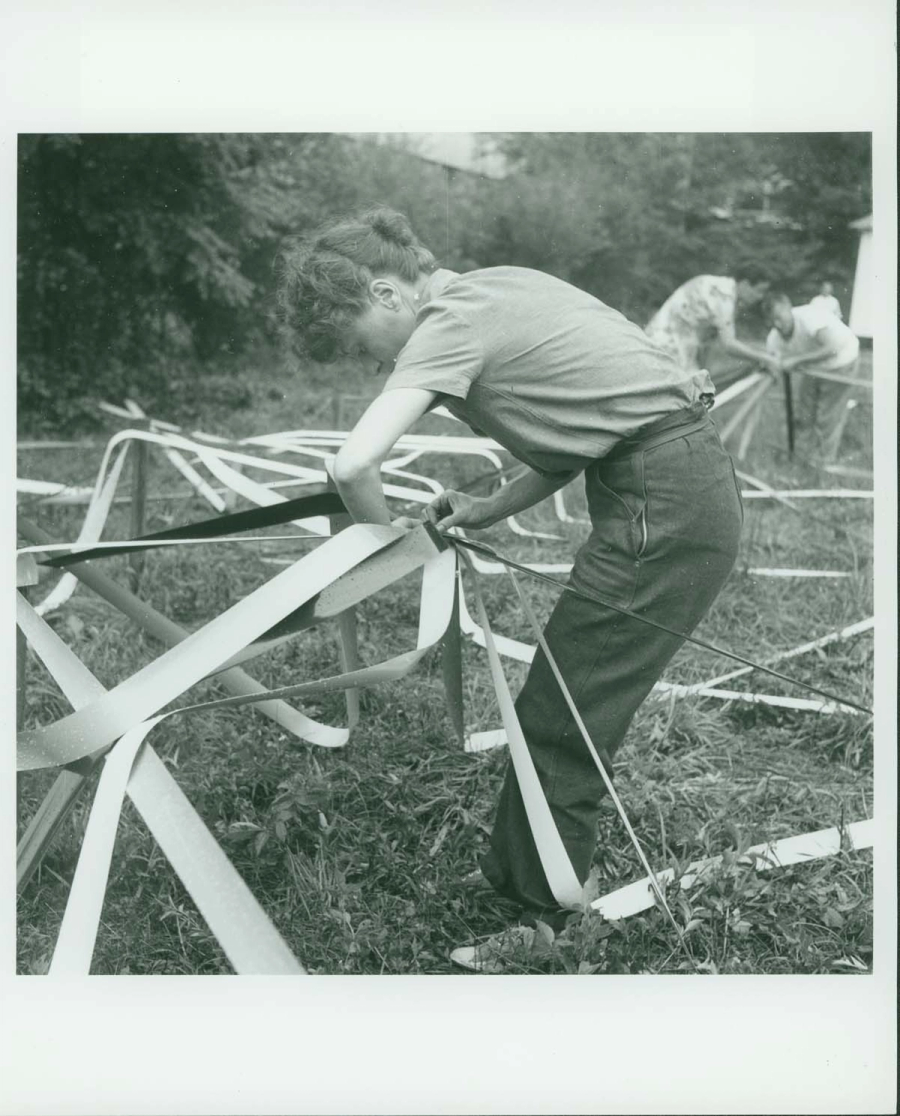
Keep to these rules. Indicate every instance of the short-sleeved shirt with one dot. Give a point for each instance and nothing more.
(545, 369)
(814, 328)
(692, 316)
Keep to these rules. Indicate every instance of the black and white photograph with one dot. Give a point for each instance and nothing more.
(455, 554)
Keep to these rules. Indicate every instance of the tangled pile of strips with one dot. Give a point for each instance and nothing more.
(224, 461)
(343, 571)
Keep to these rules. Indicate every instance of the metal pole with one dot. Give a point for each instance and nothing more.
(26, 575)
(138, 509)
(347, 628)
(789, 411)
(451, 668)
(48, 819)
(21, 671)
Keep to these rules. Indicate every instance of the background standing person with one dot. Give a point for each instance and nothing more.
(703, 309)
(567, 385)
(810, 338)
(825, 300)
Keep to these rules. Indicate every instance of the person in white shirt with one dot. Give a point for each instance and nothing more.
(811, 339)
(825, 300)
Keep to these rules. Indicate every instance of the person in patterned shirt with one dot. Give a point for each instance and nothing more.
(703, 309)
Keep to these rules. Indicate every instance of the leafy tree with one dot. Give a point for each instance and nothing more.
(630, 216)
(146, 259)
(830, 185)
(127, 255)
(137, 251)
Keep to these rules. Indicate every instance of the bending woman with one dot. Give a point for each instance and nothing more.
(568, 386)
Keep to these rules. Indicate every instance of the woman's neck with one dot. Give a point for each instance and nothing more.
(430, 286)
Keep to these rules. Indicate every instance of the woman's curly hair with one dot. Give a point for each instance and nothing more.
(323, 276)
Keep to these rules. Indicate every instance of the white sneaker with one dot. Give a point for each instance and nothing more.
(500, 952)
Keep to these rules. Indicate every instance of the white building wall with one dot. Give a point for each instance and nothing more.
(863, 298)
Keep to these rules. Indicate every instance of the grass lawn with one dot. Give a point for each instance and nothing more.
(356, 853)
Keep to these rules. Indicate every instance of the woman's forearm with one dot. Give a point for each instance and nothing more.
(357, 465)
(528, 489)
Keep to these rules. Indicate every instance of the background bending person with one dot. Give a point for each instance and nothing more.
(703, 309)
(569, 386)
(810, 338)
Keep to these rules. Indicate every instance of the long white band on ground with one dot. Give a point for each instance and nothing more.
(792, 653)
(638, 896)
(495, 738)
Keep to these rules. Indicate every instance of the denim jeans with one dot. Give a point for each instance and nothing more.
(666, 523)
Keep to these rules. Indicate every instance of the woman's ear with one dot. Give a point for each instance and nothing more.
(385, 293)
